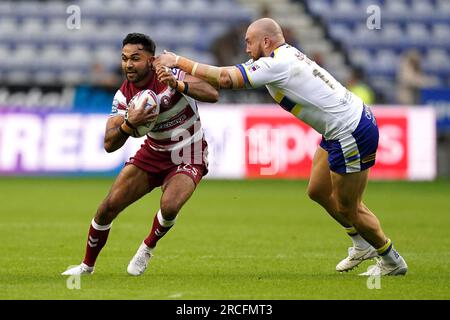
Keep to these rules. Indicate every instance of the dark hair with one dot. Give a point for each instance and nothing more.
(140, 38)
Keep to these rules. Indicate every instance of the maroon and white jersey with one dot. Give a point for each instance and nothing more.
(178, 122)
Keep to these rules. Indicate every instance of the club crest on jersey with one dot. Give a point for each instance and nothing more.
(164, 102)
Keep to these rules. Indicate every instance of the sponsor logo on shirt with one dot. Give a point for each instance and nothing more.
(254, 67)
(188, 168)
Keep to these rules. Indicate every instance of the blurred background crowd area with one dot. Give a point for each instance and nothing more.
(408, 51)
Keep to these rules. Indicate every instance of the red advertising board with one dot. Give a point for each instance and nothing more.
(392, 153)
(257, 141)
(279, 145)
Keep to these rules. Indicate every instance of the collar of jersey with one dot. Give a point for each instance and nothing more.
(274, 52)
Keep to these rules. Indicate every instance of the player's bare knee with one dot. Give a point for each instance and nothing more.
(316, 195)
(102, 217)
(169, 214)
(169, 209)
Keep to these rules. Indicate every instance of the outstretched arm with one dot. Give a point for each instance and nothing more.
(191, 86)
(198, 89)
(219, 77)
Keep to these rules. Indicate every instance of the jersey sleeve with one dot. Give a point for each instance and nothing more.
(178, 74)
(119, 105)
(263, 71)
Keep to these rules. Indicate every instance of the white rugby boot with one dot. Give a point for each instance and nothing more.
(383, 268)
(139, 263)
(78, 270)
(355, 257)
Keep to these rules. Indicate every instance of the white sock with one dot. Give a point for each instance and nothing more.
(358, 241)
(388, 253)
(146, 248)
(163, 222)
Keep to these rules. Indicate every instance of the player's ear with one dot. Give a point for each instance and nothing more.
(150, 61)
(266, 42)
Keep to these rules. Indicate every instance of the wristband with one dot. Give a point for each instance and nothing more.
(181, 85)
(186, 87)
(194, 68)
(129, 124)
(127, 129)
(126, 134)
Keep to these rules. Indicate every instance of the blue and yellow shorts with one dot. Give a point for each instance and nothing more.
(354, 152)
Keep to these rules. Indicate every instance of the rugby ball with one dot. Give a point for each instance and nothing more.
(138, 101)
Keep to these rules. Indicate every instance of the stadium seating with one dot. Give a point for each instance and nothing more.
(38, 44)
(405, 24)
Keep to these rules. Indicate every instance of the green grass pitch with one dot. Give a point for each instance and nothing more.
(233, 240)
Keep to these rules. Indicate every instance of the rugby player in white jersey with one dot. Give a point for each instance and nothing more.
(348, 127)
(159, 161)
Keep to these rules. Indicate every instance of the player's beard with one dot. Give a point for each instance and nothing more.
(137, 75)
(258, 54)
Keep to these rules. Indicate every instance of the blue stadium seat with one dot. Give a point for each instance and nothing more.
(23, 57)
(72, 76)
(341, 31)
(18, 76)
(320, 7)
(387, 60)
(392, 33)
(6, 9)
(344, 7)
(45, 77)
(360, 57)
(50, 56)
(424, 8)
(417, 32)
(8, 29)
(52, 8)
(398, 7)
(441, 32)
(437, 59)
(443, 6)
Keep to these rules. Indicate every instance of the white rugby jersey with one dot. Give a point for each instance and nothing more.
(178, 122)
(306, 90)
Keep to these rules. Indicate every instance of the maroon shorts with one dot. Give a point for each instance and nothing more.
(162, 165)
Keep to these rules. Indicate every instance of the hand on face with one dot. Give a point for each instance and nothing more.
(167, 59)
(166, 76)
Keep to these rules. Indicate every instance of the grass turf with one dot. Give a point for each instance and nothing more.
(233, 240)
